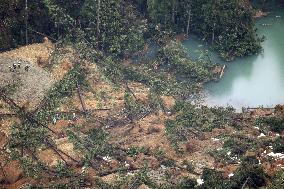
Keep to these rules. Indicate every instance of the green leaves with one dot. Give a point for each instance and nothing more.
(228, 25)
(278, 145)
(63, 88)
(173, 58)
(91, 145)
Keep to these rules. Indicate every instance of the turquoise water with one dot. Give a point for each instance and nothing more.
(255, 80)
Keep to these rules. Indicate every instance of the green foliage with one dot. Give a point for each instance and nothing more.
(278, 181)
(187, 183)
(228, 25)
(159, 154)
(155, 101)
(249, 171)
(116, 27)
(275, 124)
(168, 162)
(161, 11)
(110, 26)
(173, 58)
(12, 23)
(27, 135)
(133, 107)
(91, 145)
(221, 19)
(129, 181)
(134, 151)
(212, 179)
(278, 145)
(249, 174)
(142, 177)
(190, 120)
(239, 145)
(63, 88)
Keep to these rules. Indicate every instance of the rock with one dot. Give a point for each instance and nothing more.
(143, 186)
(250, 154)
(129, 159)
(154, 129)
(48, 43)
(42, 61)
(13, 172)
(113, 164)
(168, 101)
(3, 139)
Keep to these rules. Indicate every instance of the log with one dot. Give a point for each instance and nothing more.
(81, 98)
(222, 71)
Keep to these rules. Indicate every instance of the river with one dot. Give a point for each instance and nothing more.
(251, 81)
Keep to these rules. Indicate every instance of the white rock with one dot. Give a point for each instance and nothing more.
(200, 182)
(231, 174)
(276, 155)
(163, 167)
(215, 139)
(261, 135)
(107, 158)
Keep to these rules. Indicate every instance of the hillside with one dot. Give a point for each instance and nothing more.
(125, 150)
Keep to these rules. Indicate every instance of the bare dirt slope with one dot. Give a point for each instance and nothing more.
(29, 85)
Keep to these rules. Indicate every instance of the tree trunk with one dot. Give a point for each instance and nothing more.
(98, 19)
(173, 14)
(213, 33)
(26, 21)
(188, 22)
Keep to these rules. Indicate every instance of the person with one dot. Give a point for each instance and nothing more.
(27, 67)
(11, 69)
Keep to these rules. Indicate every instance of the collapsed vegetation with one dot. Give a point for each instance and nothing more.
(129, 135)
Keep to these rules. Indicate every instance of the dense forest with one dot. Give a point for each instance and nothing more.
(107, 120)
(133, 23)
